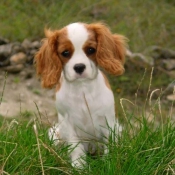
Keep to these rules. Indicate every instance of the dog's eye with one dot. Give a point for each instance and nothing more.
(65, 54)
(90, 51)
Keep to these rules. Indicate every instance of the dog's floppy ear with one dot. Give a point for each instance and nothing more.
(111, 49)
(48, 64)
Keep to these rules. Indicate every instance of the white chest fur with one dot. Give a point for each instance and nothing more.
(85, 108)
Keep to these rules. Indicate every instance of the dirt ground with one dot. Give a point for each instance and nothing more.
(22, 95)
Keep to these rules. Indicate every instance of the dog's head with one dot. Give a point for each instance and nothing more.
(77, 50)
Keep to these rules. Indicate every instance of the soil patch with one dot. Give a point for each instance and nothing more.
(24, 96)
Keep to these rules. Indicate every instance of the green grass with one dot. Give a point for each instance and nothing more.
(144, 147)
(144, 22)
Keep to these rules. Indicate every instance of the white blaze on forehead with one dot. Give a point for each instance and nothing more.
(78, 34)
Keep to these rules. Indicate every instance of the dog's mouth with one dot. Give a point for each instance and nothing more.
(81, 77)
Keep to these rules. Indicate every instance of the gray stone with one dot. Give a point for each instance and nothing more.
(18, 58)
(30, 56)
(35, 45)
(4, 62)
(33, 52)
(17, 47)
(169, 64)
(26, 44)
(142, 60)
(172, 73)
(159, 53)
(129, 53)
(5, 51)
(169, 89)
(3, 41)
(139, 59)
(13, 68)
(171, 97)
(167, 53)
(153, 51)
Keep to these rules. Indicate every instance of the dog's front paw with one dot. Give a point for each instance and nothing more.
(118, 128)
(54, 134)
(79, 163)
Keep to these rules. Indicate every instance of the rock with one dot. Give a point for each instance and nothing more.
(172, 73)
(30, 45)
(14, 68)
(142, 60)
(26, 44)
(138, 59)
(16, 47)
(31, 56)
(153, 51)
(4, 61)
(128, 53)
(3, 41)
(30, 59)
(169, 89)
(159, 53)
(169, 64)
(18, 58)
(33, 52)
(35, 45)
(167, 53)
(171, 97)
(5, 51)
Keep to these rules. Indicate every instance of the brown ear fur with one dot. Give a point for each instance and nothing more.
(110, 49)
(48, 64)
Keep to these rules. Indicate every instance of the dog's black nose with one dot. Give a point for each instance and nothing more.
(79, 68)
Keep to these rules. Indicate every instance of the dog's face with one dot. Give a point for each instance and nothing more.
(77, 50)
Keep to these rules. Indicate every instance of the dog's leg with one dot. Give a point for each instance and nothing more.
(106, 134)
(118, 128)
(112, 130)
(54, 134)
(76, 154)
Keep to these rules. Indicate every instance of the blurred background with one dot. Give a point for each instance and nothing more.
(148, 24)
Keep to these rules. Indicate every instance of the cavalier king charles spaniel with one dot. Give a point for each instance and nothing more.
(71, 59)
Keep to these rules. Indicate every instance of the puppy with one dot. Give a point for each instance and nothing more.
(70, 60)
